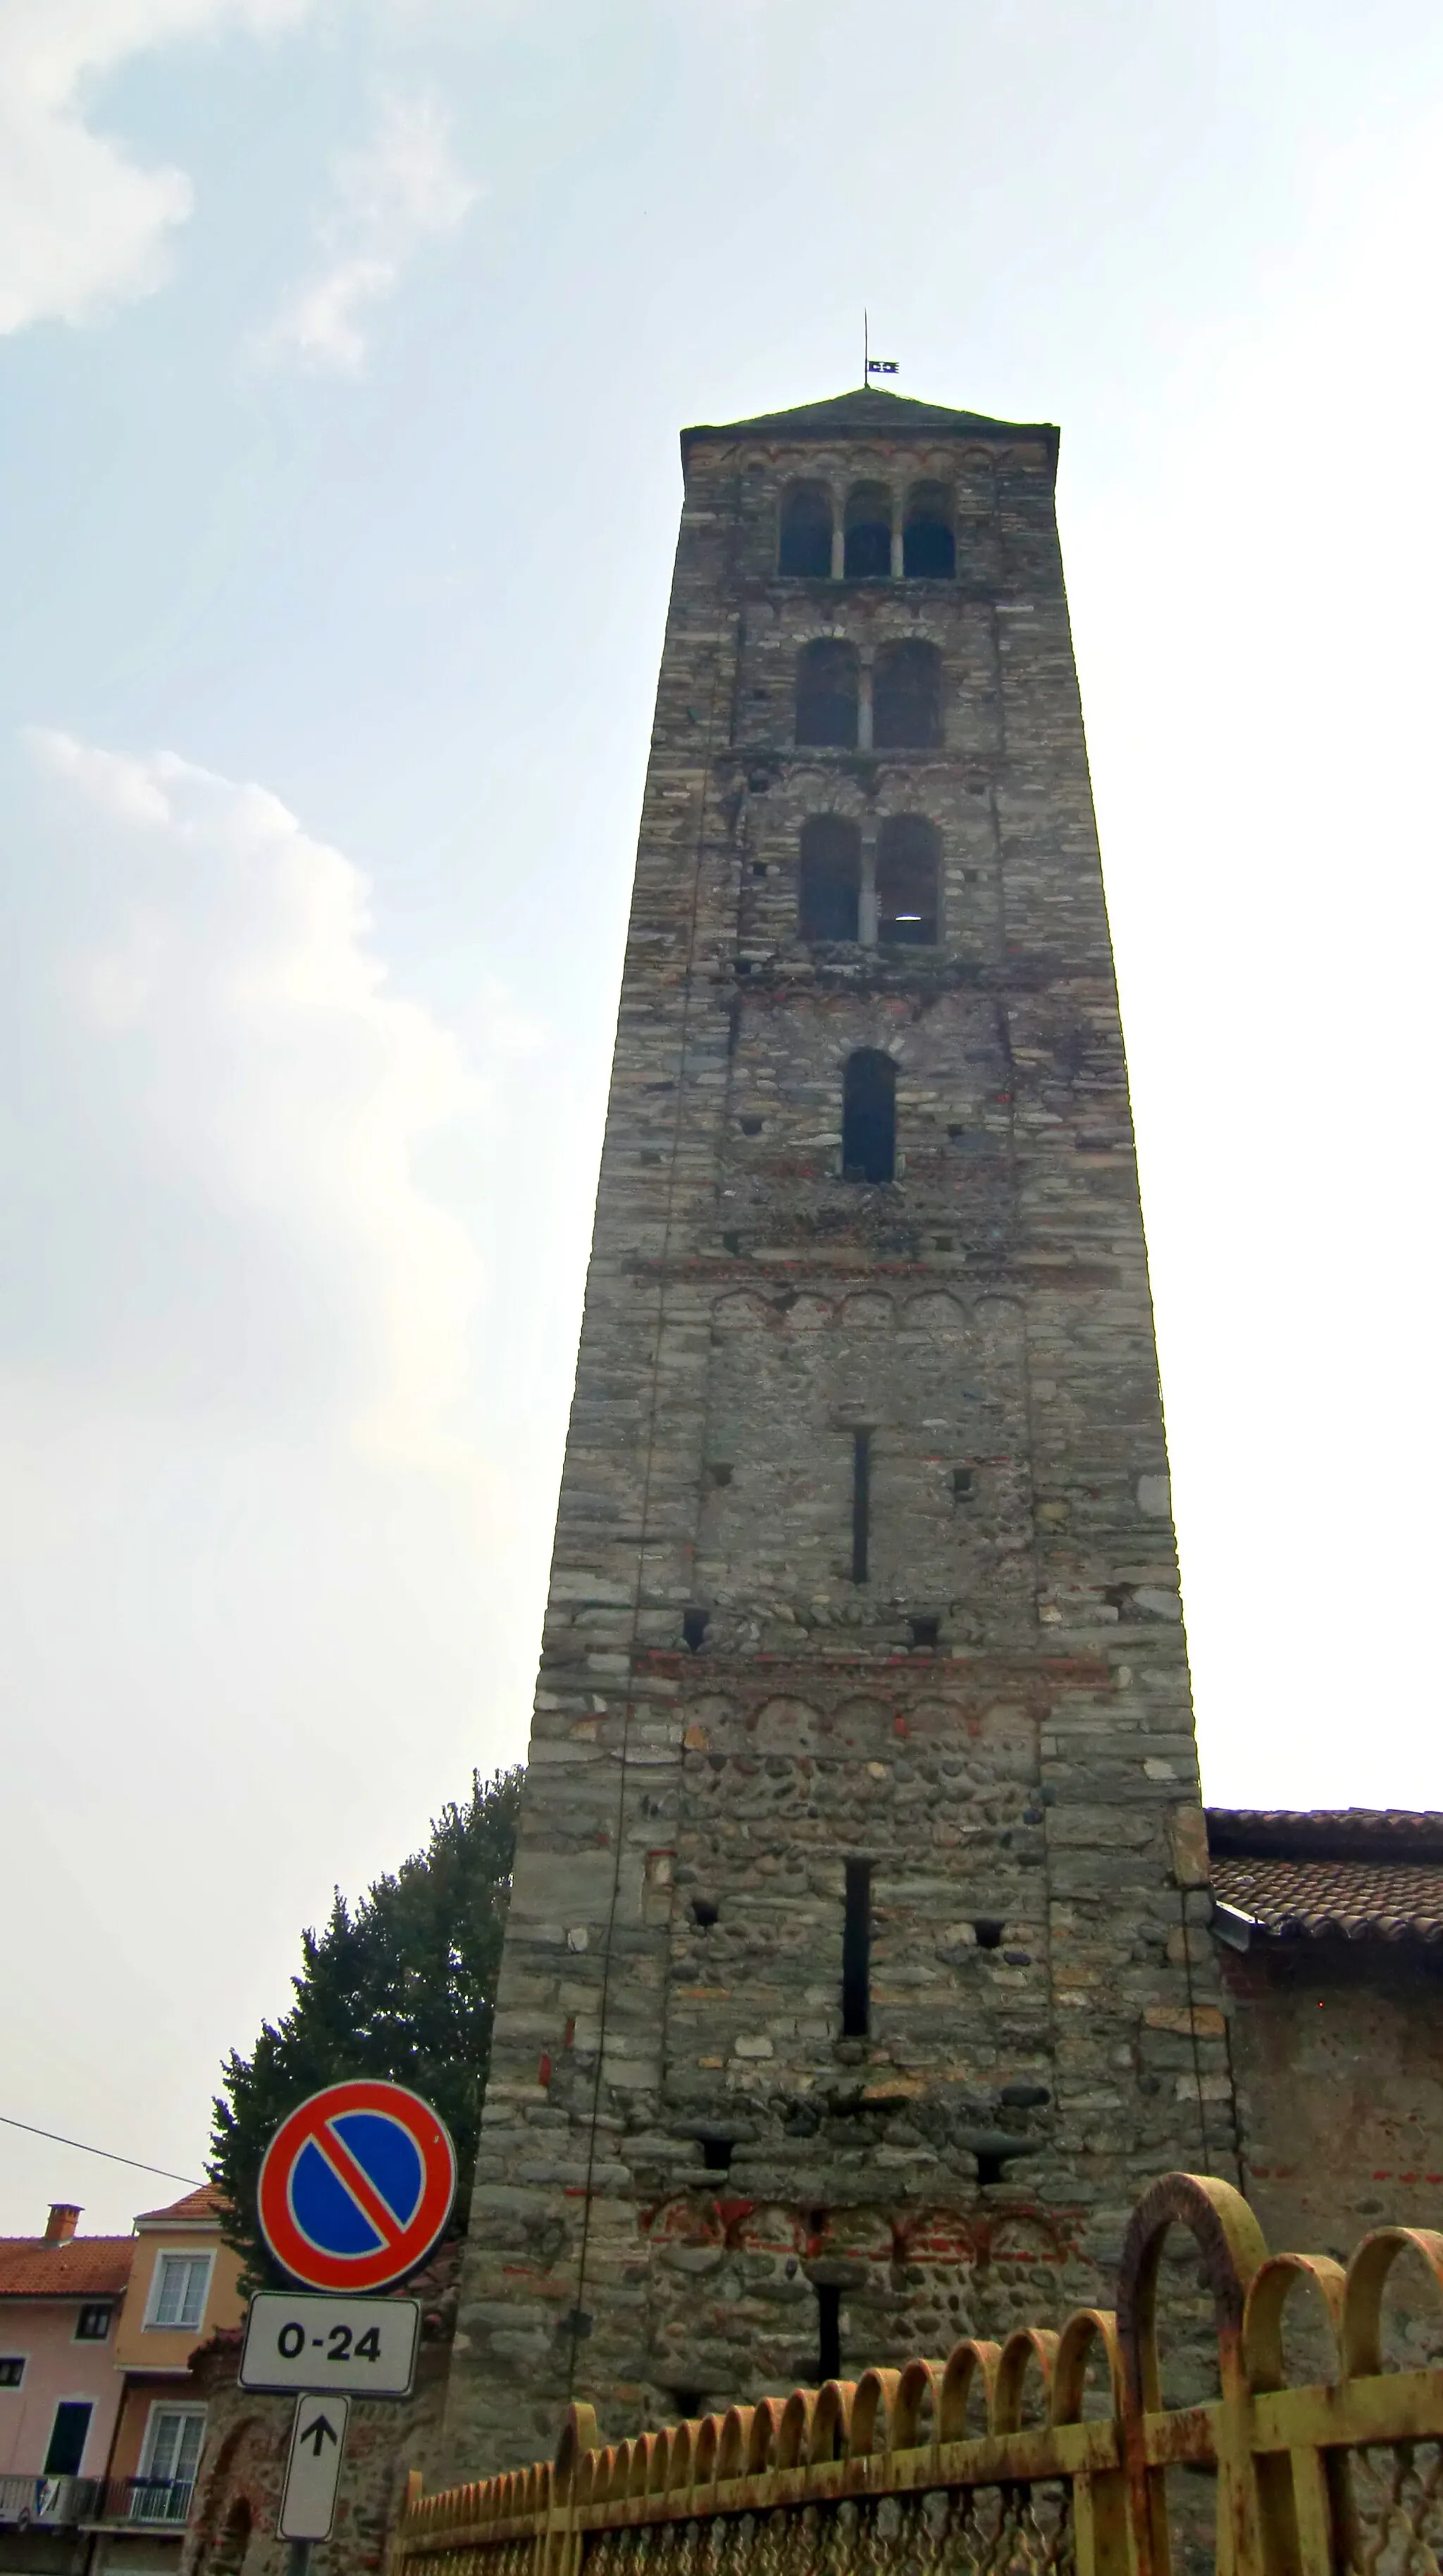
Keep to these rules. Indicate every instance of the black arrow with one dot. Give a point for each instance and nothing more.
(323, 2430)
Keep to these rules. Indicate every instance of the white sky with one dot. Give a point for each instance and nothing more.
(345, 347)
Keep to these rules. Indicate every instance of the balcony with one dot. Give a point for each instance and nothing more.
(157, 2502)
(47, 2504)
(60, 2504)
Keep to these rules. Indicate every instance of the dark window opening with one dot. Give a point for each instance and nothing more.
(925, 1632)
(759, 868)
(857, 1951)
(93, 2323)
(989, 1935)
(704, 1912)
(868, 555)
(929, 549)
(720, 1470)
(869, 1117)
(827, 694)
(805, 550)
(687, 2402)
(961, 1482)
(907, 873)
(751, 1126)
(716, 2154)
(861, 1503)
(831, 877)
(12, 2369)
(693, 1628)
(991, 2168)
(67, 2439)
(907, 697)
(829, 2332)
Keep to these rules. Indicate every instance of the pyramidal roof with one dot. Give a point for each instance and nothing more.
(858, 415)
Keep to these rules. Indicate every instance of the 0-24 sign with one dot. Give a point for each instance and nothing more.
(366, 2347)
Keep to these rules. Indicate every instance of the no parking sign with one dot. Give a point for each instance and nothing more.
(356, 2186)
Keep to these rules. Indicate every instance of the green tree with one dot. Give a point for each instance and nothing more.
(403, 1985)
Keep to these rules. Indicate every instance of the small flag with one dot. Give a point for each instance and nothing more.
(881, 366)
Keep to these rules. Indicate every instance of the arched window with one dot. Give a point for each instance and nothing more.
(806, 532)
(907, 697)
(869, 1117)
(827, 694)
(869, 532)
(929, 549)
(831, 877)
(907, 872)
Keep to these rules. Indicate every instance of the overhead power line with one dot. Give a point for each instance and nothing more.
(108, 2152)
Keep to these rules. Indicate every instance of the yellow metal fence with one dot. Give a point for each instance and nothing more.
(1001, 2459)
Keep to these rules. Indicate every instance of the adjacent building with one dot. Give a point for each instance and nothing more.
(60, 2390)
(101, 2420)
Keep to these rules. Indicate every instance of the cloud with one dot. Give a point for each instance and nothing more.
(82, 225)
(219, 1111)
(403, 189)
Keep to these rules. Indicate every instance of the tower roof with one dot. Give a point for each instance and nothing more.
(860, 414)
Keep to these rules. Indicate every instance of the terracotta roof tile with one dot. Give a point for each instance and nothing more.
(204, 2202)
(1304, 1898)
(88, 2267)
(1333, 1833)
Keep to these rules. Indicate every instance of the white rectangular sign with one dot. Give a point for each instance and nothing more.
(296, 2339)
(313, 2468)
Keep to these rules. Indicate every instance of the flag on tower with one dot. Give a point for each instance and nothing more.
(881, 366)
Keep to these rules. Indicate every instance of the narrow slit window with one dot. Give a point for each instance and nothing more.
(861, 1503)
(804, 551)
(868, 553)
(831, 877)
(929, 548)
(869, 1117)
(907, 697)
(907, 873)
(829, 2332)
(827, 695)
(857, 1951)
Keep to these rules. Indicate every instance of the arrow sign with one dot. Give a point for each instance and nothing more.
(313, 2467)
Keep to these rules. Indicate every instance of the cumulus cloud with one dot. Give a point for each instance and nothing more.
(83, 225)
(219, 1111)
(403, 189)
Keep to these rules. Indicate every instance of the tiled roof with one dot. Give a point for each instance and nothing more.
(1330, 1873)
(1357, 1900)
(88, 2267)
(196, 2207)
(1339, 1833)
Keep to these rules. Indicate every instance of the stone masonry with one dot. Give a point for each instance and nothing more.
(856, 1978)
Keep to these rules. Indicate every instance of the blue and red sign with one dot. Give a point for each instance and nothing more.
(356, 2186)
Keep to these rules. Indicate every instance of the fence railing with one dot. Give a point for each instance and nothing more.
(48, 2501)
(146, 2500)
(1070, 2471)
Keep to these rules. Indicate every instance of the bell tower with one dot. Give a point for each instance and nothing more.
(856, 1978)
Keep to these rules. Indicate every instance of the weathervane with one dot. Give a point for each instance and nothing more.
(873, 366)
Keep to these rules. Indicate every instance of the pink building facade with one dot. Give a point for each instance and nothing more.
(60, 2391)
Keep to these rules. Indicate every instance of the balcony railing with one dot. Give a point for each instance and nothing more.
(148, 2500)
(55, 2504)
(50, 2502)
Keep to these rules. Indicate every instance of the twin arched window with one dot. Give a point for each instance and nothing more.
(928, 542)
(893, 704)
(886, 894)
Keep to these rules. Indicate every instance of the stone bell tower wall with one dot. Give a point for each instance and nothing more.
(949, 1785)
